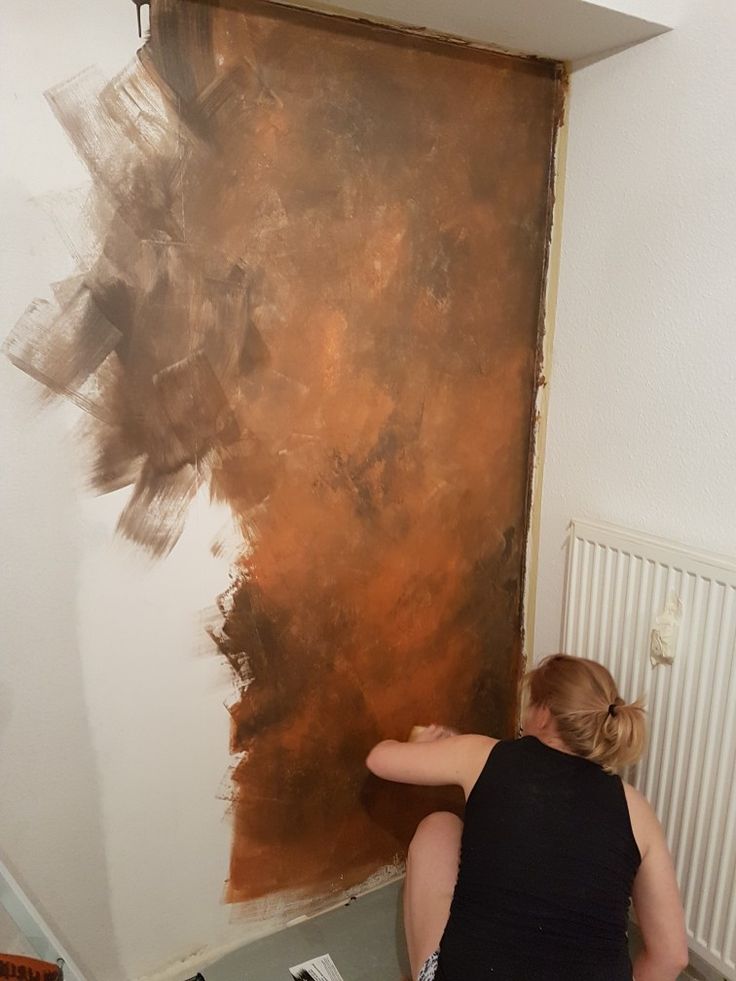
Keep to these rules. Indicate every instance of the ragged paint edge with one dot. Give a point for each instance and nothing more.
(76, 328)
(276, 910)
(91, 108)
(541, 406)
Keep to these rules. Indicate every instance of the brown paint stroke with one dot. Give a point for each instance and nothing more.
(317, 290)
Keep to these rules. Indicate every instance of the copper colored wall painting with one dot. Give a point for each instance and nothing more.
(316, 290)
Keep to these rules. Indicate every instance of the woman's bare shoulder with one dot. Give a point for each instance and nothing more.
(644, 822)
(479, 744)
(477, 750)
(637, 801)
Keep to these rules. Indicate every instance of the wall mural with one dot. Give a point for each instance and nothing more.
(316, 289)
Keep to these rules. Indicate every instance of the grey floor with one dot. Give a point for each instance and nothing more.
(365, 940)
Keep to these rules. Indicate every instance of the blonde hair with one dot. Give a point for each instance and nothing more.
(592, 719)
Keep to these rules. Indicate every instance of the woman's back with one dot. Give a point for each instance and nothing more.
(547, 866)
(535, 884)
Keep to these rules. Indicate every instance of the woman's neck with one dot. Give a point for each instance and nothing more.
(554, 742)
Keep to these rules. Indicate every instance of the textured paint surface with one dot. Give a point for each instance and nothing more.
(317, 289)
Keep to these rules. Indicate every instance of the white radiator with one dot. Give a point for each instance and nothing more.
(618, 585)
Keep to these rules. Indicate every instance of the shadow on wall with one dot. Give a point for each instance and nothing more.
(53, 835)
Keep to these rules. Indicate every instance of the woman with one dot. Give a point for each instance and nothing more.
(535, 884)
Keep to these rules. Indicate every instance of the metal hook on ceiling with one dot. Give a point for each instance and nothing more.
(138, 5)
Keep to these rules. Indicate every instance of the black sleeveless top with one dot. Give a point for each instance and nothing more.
(547, 865)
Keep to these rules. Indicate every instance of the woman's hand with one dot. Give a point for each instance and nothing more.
(429, 734)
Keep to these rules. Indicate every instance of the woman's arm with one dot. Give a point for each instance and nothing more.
(439, 761)
(656, 898)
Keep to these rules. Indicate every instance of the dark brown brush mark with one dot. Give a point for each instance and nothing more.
(61, 347)
(321, 258)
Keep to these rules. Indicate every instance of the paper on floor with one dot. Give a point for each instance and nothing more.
(319, 969)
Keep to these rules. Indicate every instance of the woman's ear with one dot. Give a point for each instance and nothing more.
(544, 717)
(536, 719)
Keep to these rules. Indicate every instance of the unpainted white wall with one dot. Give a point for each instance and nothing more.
(642, 413)
(113, 730)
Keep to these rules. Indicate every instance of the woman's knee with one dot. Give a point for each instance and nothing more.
(437, 829)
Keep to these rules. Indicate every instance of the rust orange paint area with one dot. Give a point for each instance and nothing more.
(317, 287)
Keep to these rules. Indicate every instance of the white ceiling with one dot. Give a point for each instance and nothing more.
(566, 30)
